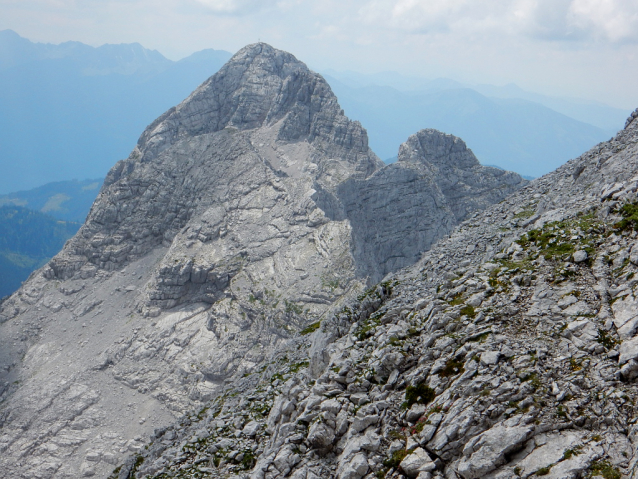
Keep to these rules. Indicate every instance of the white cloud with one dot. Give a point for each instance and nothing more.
(614, 20)
(234, 7)
(599, 20)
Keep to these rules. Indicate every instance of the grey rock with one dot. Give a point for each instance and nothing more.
(360, 424)
(580, 256)
(251, 428)
(628, 350)
(415, 412)
(490, 358)
(416, 462)
(487, 451)
(321, 436)
(396, 445)
(356, 468)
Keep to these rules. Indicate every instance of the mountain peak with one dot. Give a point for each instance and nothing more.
(437, 148)
(8, 33)
(264, 49)
(260, 86)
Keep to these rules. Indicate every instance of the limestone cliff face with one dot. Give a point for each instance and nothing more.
(244, 214)
(402, 209)
(467, 186)
(264, 118)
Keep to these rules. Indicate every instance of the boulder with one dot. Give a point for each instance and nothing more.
(487, 451)
(416, 462)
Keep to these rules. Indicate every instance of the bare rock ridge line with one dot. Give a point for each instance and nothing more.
(402, 209)
(508, 350)
(245, 215)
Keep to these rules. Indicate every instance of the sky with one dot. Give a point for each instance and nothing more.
(576, 48)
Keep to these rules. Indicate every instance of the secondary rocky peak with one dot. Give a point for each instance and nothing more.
(401, 210)
(467, 185)
(437, 148)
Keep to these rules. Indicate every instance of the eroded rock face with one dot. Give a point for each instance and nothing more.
(248, 212)
(404, 208)
(497, 355)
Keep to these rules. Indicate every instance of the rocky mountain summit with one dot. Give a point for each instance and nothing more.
(243, 219)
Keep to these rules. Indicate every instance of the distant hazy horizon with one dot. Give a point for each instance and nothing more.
(577, 48)
(72, 110)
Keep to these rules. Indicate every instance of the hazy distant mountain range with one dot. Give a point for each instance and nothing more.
(28, 240)
(595, 113)
(63, 200)
(72, 110)
(514, 133)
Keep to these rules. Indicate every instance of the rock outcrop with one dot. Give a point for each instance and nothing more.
(508, 350)
(247, 214)
(402, 209)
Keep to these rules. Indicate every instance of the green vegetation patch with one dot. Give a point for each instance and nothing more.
(292, 307)
(605, 469)
(629, 213)
(456, 300)
(527, 213)
(310, 328)
(543, 471)
(561, 412)
(468, 311)
(387, 287)
(248, 461)
(606, 339)
(452, 368)
(479, 338)
(395, 459)
(381, 473)
(367, 328)
(534, 380)
(297, 366)
(569, 453)
(419, 394)
(561, 238)
(550, 241)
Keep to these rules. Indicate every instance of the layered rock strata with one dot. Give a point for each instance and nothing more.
(245, 214)
(508, 350)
